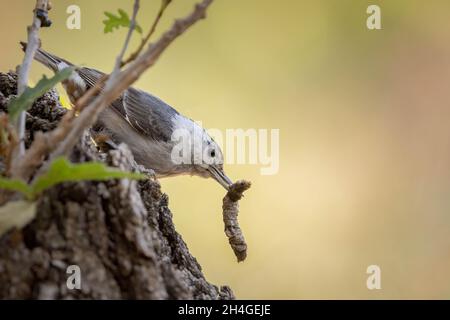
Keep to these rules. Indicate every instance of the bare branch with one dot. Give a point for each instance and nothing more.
(164, 5)
(33, 44)
(83, 101)
(128, 38)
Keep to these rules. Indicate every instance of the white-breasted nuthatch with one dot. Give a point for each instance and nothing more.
(150, 127)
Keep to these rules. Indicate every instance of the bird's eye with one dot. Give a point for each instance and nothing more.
(213, 153)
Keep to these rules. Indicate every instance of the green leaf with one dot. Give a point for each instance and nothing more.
(62, 170)
(117, 21)
(16, 214)
(16, 185)
(26, 99)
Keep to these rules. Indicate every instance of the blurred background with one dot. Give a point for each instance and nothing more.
(364, 135)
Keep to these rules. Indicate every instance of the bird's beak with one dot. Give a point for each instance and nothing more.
(220, 176)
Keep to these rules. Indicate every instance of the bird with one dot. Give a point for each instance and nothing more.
(159, 137)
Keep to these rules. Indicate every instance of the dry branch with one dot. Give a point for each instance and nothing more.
(33, 45)
(127, 39)
(230, 212)
(164, 5)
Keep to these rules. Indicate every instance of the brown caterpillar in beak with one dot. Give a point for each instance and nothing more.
(230, 212)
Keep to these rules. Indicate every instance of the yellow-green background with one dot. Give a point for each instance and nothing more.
(364, 135)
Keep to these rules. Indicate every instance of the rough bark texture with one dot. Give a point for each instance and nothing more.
(120, 233)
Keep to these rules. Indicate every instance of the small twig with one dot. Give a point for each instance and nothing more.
(24, 71)
(164, 5)
(83, 101)
(127, 40)
(230, 212)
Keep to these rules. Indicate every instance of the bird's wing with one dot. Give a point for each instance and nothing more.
(147, 114)
(90, 76)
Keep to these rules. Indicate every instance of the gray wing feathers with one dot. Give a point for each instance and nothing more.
(90, 76)
(147, 114)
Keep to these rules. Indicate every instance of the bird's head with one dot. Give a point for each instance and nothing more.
(204, 156)
(210, 165)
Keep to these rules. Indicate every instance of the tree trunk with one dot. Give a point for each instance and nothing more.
(119, 233)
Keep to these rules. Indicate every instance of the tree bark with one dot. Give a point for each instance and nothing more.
(120, 233)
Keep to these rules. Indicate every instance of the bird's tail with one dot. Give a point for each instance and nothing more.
(49, 60)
